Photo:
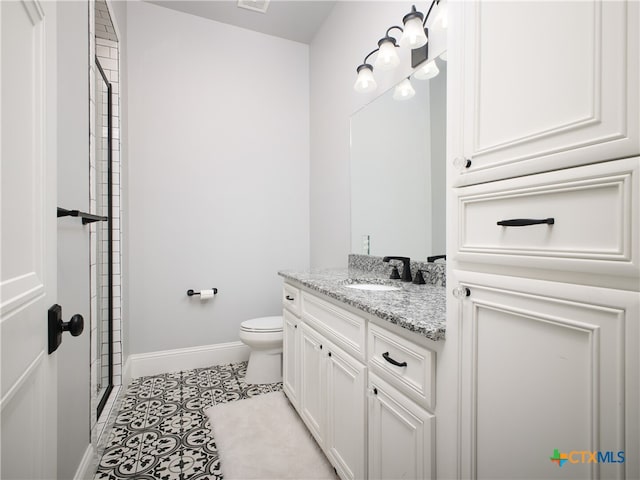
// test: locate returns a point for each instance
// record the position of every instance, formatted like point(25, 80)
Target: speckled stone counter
point(419, 308)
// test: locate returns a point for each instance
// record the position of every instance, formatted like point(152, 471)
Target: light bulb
point(427, 71)
point(413, 35)
point(365, 81)
point(404, 90)
point(387, 58)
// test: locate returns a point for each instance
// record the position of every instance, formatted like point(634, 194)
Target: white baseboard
point(88, 465)
point(154, 363)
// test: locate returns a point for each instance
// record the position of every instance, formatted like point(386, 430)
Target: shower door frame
point(105, 396)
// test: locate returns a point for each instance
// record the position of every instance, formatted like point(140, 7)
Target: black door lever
point(75, 326)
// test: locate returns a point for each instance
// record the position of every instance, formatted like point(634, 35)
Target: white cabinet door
point(28, 394)
point(544, 85)
point(291, 357)
point(346, 412)
point(312, 382)
point(547, 367)
point(401, 435)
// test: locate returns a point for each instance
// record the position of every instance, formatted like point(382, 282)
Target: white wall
point(218, 175)
point(350, 32)
point(73, 237)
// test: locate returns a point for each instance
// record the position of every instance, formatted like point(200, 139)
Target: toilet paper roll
point(206, 294)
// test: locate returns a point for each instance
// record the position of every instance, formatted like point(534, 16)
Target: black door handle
point(75, 326)
point(290, 298)
point(386, 356)
point(525, 222)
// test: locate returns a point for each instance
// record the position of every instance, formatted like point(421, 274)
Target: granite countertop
point(419, 308)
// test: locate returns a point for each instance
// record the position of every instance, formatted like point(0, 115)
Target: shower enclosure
point(103, 184)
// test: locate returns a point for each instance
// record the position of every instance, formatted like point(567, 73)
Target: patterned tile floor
point(161, 431)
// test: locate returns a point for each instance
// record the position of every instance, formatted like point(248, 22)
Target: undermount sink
point(373, 287)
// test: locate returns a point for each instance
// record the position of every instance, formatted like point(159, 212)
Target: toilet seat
point(262, 325)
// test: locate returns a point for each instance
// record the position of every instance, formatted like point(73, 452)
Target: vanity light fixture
point(404, 90)
point(415, 35)
point(365, 81)
point(442, 17)
point(427, 71)
point(387, 58)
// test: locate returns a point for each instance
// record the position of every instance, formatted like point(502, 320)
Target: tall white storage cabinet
point(543, 241)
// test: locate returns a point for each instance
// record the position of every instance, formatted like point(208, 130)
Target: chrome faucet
point(406, 267)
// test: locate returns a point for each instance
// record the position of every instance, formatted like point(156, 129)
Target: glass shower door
point(104, 232)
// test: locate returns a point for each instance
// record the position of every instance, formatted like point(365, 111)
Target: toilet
point(264, 337)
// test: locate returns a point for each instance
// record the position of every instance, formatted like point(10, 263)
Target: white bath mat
point(263, 438)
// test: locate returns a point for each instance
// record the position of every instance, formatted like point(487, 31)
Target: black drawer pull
point(289, 298)
point(386, 356)
point(525, 222)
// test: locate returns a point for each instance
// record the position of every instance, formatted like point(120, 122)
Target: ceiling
point(296, 20)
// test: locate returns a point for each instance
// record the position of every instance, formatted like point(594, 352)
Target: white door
point(544, 85)
point(346, 433)
point(28, 239)
point(401, 435)
point(547, 367)
point(291, 357)
point(312, 382)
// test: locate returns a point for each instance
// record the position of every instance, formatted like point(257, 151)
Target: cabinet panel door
point(543, 369)
point(312, 382)
point(291, 357)
point(547, 85)
point(400, 435)
point(346, 437)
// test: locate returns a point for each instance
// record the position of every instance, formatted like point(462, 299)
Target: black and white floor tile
point(161, 431)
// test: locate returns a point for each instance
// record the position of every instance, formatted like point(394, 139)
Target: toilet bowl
point(264, 337)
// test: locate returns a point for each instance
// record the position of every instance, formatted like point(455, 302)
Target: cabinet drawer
point(417, 378)
point(592, 209)
point(291, 298)
point(344, 328)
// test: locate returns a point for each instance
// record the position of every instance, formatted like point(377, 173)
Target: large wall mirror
point(398, 183)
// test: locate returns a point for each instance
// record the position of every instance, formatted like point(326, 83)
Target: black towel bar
point(86, 217)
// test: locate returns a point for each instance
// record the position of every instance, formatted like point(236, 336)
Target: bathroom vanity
point(359, 367)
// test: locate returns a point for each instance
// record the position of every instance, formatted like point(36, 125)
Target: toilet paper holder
point(191, 292)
